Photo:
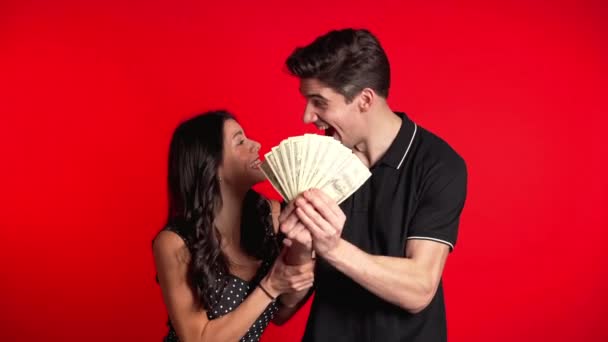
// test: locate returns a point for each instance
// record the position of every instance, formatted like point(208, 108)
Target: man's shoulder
point(433, 150)
point(434, 145)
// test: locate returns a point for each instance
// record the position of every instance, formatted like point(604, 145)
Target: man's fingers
point(332, 204)
point(324, 205)
point(314, 216)
point(317, 232)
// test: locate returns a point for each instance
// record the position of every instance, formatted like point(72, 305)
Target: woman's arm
point(296, 254)
point(189, 321)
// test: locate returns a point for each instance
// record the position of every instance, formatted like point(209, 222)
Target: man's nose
point(309, 115)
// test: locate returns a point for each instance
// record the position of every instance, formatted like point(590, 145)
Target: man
point(381, 253)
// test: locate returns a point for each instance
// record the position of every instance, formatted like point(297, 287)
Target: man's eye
point(241, 142)
point(319, 104)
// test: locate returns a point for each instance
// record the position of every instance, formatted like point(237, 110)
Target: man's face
point(328, 110)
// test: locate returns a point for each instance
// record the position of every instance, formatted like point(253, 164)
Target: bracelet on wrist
point(267, 293)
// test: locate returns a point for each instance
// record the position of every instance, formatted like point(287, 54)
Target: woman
point(219, 263)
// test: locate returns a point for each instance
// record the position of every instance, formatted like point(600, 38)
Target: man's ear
point(366, 99)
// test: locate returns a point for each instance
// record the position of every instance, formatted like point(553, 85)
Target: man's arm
point(409, 282)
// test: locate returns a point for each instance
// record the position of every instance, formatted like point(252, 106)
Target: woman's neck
point(228, 219)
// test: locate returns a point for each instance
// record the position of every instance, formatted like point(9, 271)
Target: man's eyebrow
point(315, 96)
point(237, 133)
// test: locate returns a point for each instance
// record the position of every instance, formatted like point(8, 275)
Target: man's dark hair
point(347, 61)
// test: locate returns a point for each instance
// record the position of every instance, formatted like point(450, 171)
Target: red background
point(90, 92)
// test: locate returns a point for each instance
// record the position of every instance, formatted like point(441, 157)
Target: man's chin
point(332, 133)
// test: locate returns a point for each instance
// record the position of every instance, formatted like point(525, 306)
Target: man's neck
point(382, 129)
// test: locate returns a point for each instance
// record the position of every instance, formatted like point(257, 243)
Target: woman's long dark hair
point(195, 154)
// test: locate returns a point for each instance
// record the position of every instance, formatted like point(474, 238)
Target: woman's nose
point(255, 146)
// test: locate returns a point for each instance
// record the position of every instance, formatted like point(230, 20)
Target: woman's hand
point(297, 237)
point(283, 278)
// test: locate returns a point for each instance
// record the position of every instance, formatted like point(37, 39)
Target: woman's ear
point(220, 173)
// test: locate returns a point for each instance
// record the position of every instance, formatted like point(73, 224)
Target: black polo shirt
point(417, 191)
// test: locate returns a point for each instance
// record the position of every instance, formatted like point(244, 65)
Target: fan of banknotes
point(314, 161)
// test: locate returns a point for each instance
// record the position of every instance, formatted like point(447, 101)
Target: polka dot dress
point(235, 292)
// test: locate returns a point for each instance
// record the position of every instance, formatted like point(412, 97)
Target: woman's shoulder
point(170, 238)
point(168, 244)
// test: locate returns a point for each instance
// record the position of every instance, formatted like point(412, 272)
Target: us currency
point(314, 152)
point(342, 161)
point(330, 163)
point(278, 171)
point(298, 152)
point(271, 176)
point(284, 158)
point(311, 148)
point(343, 184)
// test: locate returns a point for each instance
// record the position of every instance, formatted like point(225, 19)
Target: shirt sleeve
point(441, 203)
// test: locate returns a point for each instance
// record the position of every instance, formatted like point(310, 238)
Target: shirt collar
point(400, 147)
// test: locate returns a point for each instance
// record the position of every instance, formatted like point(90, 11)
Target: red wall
point(90, 92)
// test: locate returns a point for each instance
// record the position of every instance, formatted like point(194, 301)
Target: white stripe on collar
point(408, 147)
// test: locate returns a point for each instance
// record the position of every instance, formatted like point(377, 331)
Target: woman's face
point(241, 162)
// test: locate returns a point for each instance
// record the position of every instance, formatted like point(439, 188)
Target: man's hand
point(316, 213)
